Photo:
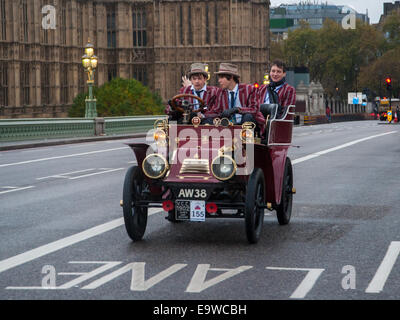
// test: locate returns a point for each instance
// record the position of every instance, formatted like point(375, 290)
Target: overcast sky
point(375, 7)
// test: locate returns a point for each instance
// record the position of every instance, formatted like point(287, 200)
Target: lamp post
point(89, 62)
point(206, 69)
point(356, 73)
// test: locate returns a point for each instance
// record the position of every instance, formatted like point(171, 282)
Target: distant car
point(197, 172)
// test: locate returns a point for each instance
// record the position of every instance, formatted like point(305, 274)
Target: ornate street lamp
point(89, 62)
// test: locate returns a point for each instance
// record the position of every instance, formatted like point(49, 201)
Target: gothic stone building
point(152, 41)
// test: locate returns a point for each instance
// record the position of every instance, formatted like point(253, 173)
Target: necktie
point(232, 104)
point(198, 93)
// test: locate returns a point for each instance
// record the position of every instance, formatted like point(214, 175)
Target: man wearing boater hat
point(198, 78)
point(236, 101)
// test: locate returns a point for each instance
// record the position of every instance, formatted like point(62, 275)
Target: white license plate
point(193, 210)
point(197, 210)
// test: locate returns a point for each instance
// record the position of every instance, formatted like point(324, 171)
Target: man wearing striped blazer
point(198, 87)
point(278, 91)
point(236, 101)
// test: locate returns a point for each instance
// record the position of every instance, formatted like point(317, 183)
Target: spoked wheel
point(254, 210)
point(284, 210)
point(135, 217)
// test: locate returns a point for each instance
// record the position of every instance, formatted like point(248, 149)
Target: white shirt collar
point(203, 89)
point(235, 89)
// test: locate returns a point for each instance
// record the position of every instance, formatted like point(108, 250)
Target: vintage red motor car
point(198, 172)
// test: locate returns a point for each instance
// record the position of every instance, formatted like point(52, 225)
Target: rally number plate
point(193, 210)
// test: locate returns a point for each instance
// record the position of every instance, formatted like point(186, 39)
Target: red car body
point(193, 160)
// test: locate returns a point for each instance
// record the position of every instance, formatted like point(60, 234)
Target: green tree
point(276, 47)
point(388, 65)
point(335, 56)
point(391, 26)
point(300, 46)
point(120, 97)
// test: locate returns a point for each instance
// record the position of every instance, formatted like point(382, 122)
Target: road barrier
point(30, 129)
point(320, 119)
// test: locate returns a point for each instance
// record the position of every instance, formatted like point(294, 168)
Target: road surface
point(62, 234)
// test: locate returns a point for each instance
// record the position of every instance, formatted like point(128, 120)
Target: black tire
point(284, 210)
point(255, 200)
point(135, 217)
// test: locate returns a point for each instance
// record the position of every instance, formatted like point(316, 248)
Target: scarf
point(273, 84)
point(273, 95)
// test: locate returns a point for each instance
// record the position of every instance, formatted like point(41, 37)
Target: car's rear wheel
point(254, 210)
point(135, 217)
point(284, 210)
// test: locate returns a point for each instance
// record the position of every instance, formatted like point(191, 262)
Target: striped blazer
point(286, 95)
point(209, 97)
point(248, 100)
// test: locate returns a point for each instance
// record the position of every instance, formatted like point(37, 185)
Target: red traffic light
point(388, 80)
point(256, 85)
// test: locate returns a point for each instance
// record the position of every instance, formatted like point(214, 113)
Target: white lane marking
point(62, 243)
point(83, 276)
point(320, 153)
point(198, 283)
point(95, 173)
point(308, 282)
point(61, 157)
point(66, 175)
point(377, 283)
point(138, 282)
point(17, 189)
point(61, 175)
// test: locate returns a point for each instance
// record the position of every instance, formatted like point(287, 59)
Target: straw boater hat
point(228, 68)
point(196, 68)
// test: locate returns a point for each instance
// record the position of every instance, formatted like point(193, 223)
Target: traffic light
point(388, 84)
point(256, 85)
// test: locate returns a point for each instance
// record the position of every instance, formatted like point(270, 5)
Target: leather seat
point(269, 109)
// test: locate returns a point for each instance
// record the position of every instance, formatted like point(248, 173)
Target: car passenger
point(277, 91)
point(236, 101)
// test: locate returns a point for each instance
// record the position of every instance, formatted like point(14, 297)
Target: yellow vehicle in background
point(383, 108)
point(385, 105)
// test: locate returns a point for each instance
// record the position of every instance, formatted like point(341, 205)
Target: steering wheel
point(186, 95)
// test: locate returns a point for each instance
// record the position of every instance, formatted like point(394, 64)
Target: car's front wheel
point(254, 210)
point(135, 217)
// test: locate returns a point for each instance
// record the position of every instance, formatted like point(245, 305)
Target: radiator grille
point(195, 166)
